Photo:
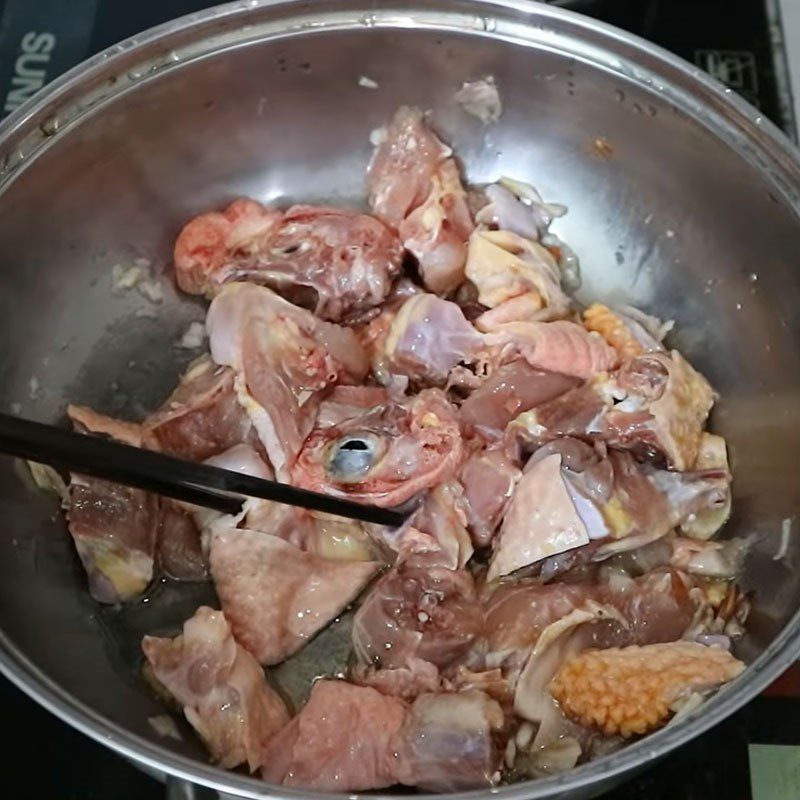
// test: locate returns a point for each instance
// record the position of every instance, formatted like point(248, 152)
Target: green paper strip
point(775, 771)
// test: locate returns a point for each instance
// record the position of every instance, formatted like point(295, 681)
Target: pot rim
point(69, 99)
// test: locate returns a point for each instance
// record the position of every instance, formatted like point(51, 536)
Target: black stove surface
point(740, 44)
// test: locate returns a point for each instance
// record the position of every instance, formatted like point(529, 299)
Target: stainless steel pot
point(682, 200)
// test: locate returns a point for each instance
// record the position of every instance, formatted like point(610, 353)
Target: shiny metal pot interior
point(682, 200)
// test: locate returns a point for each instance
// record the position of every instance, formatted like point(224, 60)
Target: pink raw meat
point(221, 688)
point(337, 263)
point(341, 741)
point(276, 596)
point(202, 417)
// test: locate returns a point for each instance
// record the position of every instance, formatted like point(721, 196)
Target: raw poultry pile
point(556, 590)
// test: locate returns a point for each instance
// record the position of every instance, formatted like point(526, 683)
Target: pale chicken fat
point(506, 267)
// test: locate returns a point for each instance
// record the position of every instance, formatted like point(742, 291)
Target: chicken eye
point(353, 456)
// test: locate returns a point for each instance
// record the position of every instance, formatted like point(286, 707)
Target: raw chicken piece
point(385, 456)
point(405, 683)
point(430, 613)
point(337, 263)
point(415, 187)
point(275, 596)
point(353, 738)
point(673, 401)
point(180, 551)
point(207, 242)
point(558, 346)
point(656, 607)
point(115, 530)
point(400, 174)
point(517, 207)
point(685, 494)
point(373, 340)
point(448, 744)
point(114, 527)
point(437, 231)
point(178, 538)
point(428, 337)
point(244, 459)
point(577, 412)
point(418, 549)
point(321, 534)
point(435, 534)
point(634, 690)
point(561, 638)
point(287, 522)
point(221, 688)
point(443, 516)
point(568, 495)
point(517, 279)
point(341, 741)
point(374, 332)
point(655, 406)
point(517, 613)
point(558, 745)
point(522, 308)
point(541, 520)
point(202, 417)
point(509, 391)
point(489, 479)
point(283, 357)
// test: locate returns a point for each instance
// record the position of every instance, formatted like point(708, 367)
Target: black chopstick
point(201, 484)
